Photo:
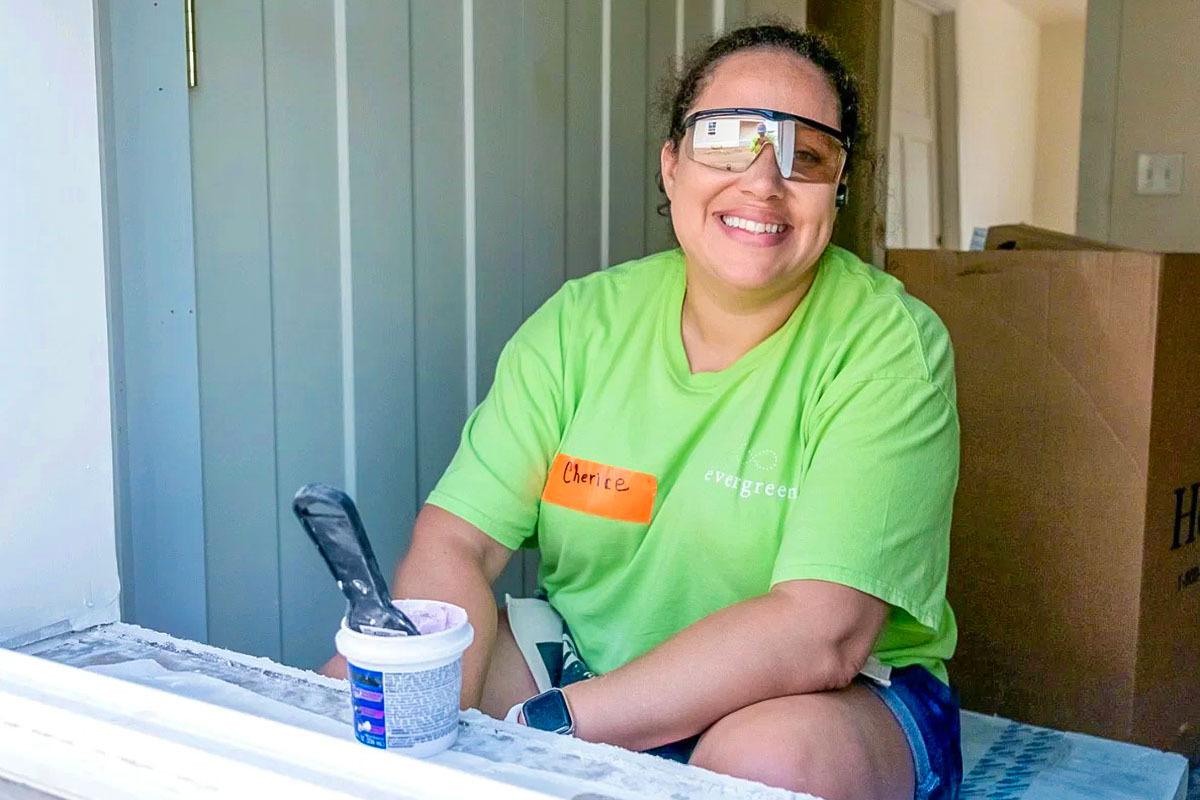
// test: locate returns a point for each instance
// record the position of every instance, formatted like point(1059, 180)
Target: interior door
point(914, 212)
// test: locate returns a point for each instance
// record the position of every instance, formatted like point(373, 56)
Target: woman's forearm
point(765, 647)
point(715, 666)
point(437, 568)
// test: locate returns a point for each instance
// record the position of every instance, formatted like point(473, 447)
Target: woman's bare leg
point(840, 745)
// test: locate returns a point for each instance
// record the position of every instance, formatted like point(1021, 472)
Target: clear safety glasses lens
point(733, 142)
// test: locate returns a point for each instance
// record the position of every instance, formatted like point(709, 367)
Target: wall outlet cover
point(1160, 173)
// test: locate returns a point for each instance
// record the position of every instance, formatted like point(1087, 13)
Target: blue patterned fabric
point(1007, 769)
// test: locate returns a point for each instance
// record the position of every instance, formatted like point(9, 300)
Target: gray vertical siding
point(302, 163)
point(545, 140)
point(660, 59)
point(504, 123)
point(630, 136)
point(583, 146)
point(235, 323)
point(360, 256)
point(436, 119)
point(697, 23)
point(159, 469)
point(378, 57)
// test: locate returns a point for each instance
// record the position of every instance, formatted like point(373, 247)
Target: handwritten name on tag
point(601, 489)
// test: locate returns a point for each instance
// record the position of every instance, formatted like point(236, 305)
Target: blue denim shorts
point(927, 711)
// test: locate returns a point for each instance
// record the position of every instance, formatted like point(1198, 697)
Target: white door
point(914, 214)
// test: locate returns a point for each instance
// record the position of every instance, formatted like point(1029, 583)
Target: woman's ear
point(668, 160)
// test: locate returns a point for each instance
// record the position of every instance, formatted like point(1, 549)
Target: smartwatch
point(549, 711)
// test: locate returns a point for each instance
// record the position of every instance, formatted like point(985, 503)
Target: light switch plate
point(1160, 173)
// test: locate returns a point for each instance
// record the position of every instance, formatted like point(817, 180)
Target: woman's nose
point(762, 177)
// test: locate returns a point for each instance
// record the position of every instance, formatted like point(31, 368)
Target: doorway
point(913, 198)
point(985, 118)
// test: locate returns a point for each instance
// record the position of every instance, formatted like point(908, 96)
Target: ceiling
point(1052, 10)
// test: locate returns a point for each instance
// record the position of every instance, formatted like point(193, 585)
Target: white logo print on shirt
point(756, 461)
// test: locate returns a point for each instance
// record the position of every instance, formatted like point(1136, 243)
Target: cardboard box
point(1075, 562)
point(1029, 237)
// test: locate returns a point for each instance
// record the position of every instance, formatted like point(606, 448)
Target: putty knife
point(332, 522)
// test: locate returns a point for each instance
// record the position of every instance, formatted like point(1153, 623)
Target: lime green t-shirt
point(656, 496)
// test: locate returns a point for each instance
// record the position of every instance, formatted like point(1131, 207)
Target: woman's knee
point(823, 744)
point(772, 742)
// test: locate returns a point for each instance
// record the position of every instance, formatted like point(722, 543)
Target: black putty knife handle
point(329, 517)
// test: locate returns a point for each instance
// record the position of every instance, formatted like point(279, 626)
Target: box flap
point(1029, 237)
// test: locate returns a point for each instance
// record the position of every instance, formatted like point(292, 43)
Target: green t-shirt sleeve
point(874, 507)
point(496, 477)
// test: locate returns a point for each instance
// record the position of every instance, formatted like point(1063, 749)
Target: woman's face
point(703, 198)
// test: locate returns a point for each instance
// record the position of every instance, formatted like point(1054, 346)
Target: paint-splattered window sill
point(120, 711)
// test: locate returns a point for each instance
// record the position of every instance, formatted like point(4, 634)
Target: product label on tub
point(404, 709)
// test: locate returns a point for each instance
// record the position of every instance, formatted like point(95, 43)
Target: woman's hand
point(335, 667)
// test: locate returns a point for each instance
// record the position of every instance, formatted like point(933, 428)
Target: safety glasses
point(730, 139)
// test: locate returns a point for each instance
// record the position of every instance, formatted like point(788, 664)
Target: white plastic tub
point(404, 690)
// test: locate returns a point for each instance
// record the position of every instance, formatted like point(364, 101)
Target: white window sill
point(267, 729)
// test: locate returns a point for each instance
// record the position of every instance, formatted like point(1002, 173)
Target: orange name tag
point(599, 489)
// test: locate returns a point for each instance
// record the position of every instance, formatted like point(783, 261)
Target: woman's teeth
point(751, 225)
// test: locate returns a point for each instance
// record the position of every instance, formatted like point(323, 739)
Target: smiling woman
point(821, 568)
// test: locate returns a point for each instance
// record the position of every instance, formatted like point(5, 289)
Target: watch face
point(548, 712)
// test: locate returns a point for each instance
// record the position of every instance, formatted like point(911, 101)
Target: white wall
point(998, 53)
point(1153, 58)
point(1059, 105)
point(57, 540)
